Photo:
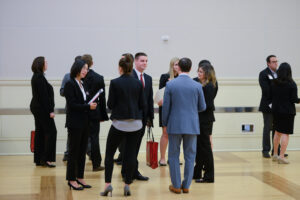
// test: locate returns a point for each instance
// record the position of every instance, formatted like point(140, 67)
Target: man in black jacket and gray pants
point(265, 78)
point(94, 83)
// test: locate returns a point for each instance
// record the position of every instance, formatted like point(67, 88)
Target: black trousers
point(93, 149)
point(78, 138)
point(45, 138)
point(204, 157)
point(268, 127)
point(114, 138)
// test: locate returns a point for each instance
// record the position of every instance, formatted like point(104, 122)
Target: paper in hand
point(159, 95)
point(96, 96)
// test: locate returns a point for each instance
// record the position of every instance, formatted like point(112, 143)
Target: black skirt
point(283, 123)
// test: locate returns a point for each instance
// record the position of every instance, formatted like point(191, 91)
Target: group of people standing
point(279, 96)
point(186, 113)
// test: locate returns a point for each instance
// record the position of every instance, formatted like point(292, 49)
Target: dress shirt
point(81, 88)
point(139, 76)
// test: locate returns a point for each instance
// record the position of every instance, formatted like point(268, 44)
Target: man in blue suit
point(183, 99)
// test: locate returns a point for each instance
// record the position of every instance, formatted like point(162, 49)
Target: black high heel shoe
point(84, 186)
point(108, 190)
point(73, 187)
point(127, 191)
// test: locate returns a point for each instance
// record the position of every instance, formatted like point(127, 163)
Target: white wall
point(236, 35)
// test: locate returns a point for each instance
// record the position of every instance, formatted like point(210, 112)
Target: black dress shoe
point(266, 155)
point(140, 177)
point(100, 168)
point(202, 180)
point(119, 163)
point(84, 186)
point(65, 158)
point(286, 155)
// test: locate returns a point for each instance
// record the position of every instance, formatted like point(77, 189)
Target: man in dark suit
point(140, 61)
point(265, 78)
point(94, 82)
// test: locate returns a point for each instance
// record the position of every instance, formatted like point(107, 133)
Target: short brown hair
point(88, 59)
point(38, 65)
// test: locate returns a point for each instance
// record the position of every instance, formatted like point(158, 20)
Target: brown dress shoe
point(184, 190)
point(174, 190)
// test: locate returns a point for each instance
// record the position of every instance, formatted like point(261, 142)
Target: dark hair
point(38, 65)
point(126, 64)
point(269, 58)
point(76, 68)
point(88, 59)
point(131, 56)
point(185, 64)
point(137, 55)
point(77, 58)
point(203, 61)
point(284, 73)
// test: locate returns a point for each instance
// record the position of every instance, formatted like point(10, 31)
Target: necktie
point(142, 81)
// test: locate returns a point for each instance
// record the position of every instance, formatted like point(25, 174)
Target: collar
point(184, 74)
point(138, 73)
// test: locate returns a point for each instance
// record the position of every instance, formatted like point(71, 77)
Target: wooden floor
point(239, 175)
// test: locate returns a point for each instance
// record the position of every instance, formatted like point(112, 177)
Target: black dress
point(284, 95)
point(164, 78)
point(42, 104)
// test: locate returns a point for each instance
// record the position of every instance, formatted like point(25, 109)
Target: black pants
point(93, 149)
point(77, 148)
point(204, 156)
point(130, 140)
point(45, 138)
point(268, 127)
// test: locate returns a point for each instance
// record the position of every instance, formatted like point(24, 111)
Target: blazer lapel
point(78, 90)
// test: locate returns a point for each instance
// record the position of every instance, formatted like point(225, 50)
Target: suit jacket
point(183, 99)
point(283, 97)
point(265, 85)
point(210, 93)
point(94, 82)
point(126, 98)
point(77, 108)
point(164, 78)
point(42, 95)
point(148, 93)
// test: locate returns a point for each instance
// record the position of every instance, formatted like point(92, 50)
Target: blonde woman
point(204, 157)
point(164, 78)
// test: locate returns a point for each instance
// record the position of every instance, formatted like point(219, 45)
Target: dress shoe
point(65, 158)
point(275, 158)
point(119, 163)
point(73, 187)
point(286, 155)
point(48, 164)
point(162, 164)
point(184, 190)
point(96, 169)
point(202, 180)
point(140, 177)
point(266, 155)
point(84, 186)
point(282, 161)
point(127, 191)
point(108, 190)
point(174, 190)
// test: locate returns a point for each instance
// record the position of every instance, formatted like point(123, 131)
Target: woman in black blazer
point(77, 124)
point(42, 108)
point(126, 101)
point(284, 95)
point(164, 78)
point(204, 156)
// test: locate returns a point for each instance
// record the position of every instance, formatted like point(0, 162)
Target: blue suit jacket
point(183, 99)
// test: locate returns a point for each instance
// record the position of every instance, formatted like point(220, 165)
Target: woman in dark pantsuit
point(204, 156)
point(164, 78)
point(126, 101)
point(284, 94)
point(77, 124)
point(42, 108)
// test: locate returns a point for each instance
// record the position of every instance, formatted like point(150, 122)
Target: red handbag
point(32, 135)
point(151, 150)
